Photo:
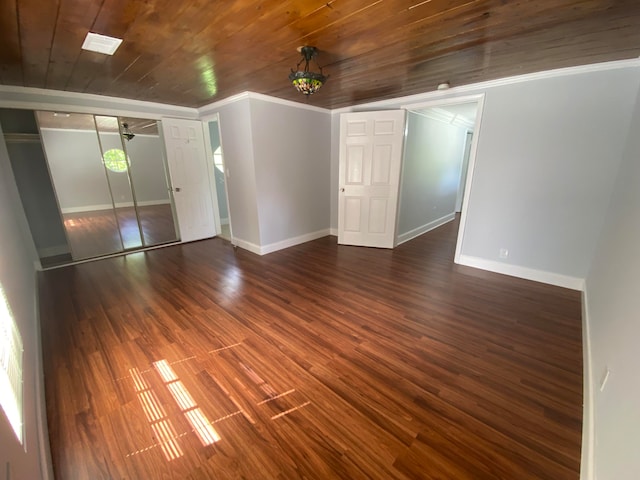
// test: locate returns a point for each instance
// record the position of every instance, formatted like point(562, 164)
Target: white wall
point(277, 157)
point(613, 316)
point(237, 142)
point(292, 168)
point(17, 276)
point(433, 154)
point(79, 175)
point(548, 151)
point(335, 172)
point(148, 169)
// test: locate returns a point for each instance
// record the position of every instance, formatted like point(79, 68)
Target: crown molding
point(206, 112)
point(209, 111)
point(480, 86)
point(288, 103)
point(43, 99)
point(93, 132)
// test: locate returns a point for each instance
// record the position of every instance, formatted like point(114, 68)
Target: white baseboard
point(274, 247)
point(108, 206)
point(42, 440)
point(574, 283)
point(148, 203)
point(587, 465)
point(53, 251)
point(87, 208)
point(290, 242)
point(333, 231)
point(416, 232)
point(252, 247)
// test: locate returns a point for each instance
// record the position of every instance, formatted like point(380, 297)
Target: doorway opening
point(433, 155)
point(220, 174)
point(438, 163)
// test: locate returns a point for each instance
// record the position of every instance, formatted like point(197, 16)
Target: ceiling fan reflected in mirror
point(126, 133)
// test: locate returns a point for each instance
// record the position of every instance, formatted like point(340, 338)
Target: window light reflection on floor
point(194, 415)
point(156, 416)
point(166, 434)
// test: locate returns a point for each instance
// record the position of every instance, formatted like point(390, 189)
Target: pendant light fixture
point(306, 81)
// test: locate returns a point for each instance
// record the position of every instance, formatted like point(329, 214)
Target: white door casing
point(187, 162)
point(369, 177)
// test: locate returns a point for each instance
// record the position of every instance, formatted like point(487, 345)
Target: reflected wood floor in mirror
point(320, 361)
point(95, 233)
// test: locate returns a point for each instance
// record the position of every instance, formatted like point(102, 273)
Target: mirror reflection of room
point(150, 181)
point(110, 182)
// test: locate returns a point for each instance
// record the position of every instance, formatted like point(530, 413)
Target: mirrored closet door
point(110, 179)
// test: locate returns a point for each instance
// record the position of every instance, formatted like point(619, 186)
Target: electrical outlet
point(604, 377)
point(504, 253)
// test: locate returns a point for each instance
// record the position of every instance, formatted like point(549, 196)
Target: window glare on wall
point(10, 367)
point(217, 158)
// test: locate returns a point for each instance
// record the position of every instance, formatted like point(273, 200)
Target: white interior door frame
point(215, 117)
point(465, 169)
point(479, 98)
point(210, 169)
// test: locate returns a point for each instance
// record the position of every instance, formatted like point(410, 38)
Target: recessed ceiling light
point(95, 42)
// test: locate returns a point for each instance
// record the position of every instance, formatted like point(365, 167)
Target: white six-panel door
point(369, 176)
point(192, 194)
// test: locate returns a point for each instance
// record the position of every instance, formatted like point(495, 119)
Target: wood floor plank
point(318, 361)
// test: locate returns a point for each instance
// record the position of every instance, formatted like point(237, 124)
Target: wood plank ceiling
point(195, 52)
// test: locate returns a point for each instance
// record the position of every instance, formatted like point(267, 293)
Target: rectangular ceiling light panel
point(95, 42)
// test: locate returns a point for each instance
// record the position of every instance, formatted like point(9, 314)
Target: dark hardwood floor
point(95, 233)
point(320, 361)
